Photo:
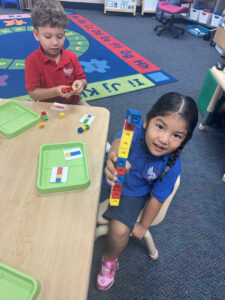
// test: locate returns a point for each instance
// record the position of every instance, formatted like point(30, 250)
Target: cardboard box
point(219, 37)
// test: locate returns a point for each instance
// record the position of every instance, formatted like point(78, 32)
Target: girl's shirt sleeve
point(162, 189)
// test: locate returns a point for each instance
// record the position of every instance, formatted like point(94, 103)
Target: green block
point(45, 117)
point(208, 89)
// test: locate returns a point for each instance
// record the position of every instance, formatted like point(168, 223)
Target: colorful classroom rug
point(110, 66)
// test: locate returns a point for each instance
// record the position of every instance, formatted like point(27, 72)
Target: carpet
point(110, 66)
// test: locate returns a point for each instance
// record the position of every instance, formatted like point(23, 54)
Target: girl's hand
point(138, 231)
point(110, 169)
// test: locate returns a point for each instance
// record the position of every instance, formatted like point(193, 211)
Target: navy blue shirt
point(143, 177)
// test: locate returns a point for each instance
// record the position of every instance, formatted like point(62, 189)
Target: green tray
point(15, 285)
point(52, 155)
point(15, 118)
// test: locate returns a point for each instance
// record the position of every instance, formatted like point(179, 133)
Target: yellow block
point(114, 202)
point(68, 154)
point(42, 124)
point(127, 134)
point(58, 175)
point(123, 152)
point(124, 143)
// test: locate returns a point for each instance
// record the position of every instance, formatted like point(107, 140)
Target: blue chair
point(6, 2)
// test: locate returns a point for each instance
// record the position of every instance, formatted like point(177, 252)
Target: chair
point(103, 227)
point(173, 10)
point(6, 2)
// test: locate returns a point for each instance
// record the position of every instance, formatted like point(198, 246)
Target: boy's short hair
point(48, 12)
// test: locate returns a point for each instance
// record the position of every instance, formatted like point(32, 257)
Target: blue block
point(121, 162)
point(58, 180)
point(133, 116)
point(120, 179)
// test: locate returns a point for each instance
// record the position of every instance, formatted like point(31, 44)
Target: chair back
point(163, 210)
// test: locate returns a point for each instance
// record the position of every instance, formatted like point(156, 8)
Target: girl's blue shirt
point(143, 177)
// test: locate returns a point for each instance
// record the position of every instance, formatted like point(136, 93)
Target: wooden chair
point(102, 223)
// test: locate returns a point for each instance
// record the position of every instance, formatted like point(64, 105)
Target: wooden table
point(51, 236)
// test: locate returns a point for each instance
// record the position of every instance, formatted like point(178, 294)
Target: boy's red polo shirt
point(43, 72)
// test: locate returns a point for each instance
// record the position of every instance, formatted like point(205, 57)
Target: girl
point(153, 166)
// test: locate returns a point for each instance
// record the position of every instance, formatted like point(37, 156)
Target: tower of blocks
point(133, 117)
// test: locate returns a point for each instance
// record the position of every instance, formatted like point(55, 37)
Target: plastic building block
point(68, 89)
point(133, 117)
point(43, 113)
point(42, 125)
point(128, 126)
point(83, 128)
point(45, 117)
point(62, 115)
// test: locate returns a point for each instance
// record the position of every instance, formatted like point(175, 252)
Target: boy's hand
point(79, 84)
point(110, 169)
point(61, 93)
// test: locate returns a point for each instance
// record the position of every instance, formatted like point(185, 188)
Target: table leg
point(211, 107)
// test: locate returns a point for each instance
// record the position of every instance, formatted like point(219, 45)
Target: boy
point(51, 68)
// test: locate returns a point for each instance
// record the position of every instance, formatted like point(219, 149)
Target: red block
point(67, 89)
point(115, 194)
point(120, 170)
point(128, 126)
point(117, 187)
point(43, 113)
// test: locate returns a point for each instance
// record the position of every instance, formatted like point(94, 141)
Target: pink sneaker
point(106, 274)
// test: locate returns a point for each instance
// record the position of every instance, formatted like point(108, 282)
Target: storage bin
point(197, 30)
point(216, 18)
point(194, 14)
point(205, 16)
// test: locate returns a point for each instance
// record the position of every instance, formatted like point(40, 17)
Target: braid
point(171, 161)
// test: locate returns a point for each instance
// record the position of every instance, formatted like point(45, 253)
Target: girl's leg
point(118, 237)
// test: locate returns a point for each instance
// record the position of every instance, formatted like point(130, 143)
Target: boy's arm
point(44, 94)
point(149, 215)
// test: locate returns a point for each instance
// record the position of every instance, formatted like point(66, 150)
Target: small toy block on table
point(42, 125)
point(62, 115)
point(133, 117)
point(44, 115)
point(83, 128)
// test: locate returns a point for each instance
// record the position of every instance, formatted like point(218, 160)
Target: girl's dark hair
point(48, 12)
point(183, 106)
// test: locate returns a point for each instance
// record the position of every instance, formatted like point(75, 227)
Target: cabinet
point(149, 6)
point(127, 6)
